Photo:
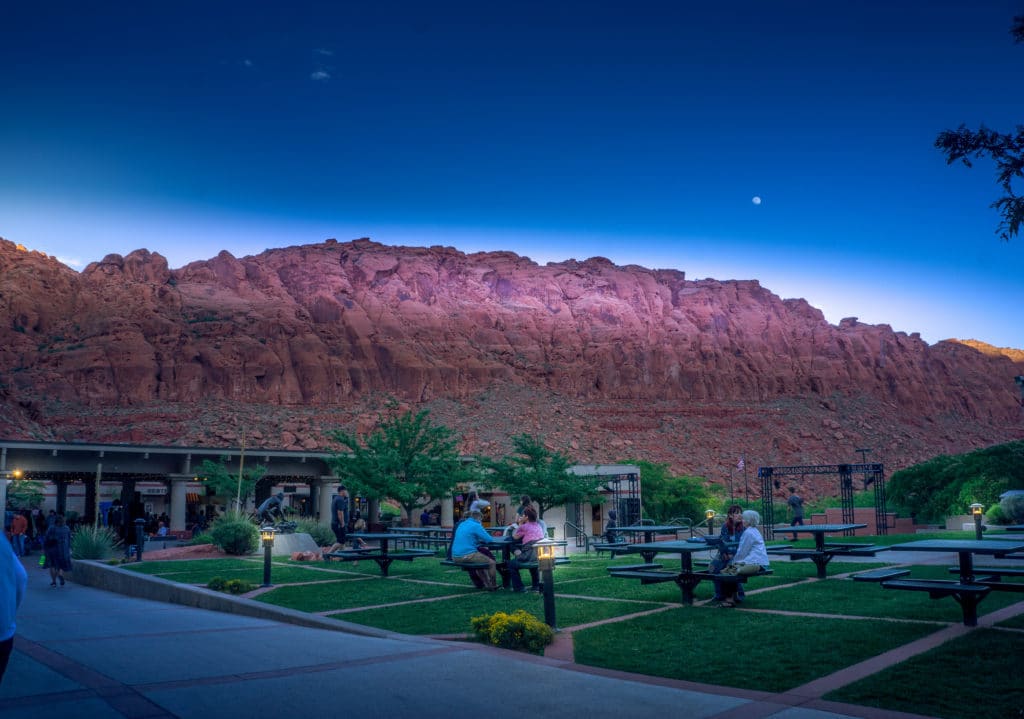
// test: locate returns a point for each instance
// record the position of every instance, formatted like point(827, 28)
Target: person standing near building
point(340, 515)
point(19, 527)
point(13, 581)
point(57, 548)
point(796, 505)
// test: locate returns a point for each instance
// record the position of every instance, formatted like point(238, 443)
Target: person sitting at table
point(729, 535)
point(469, 535)
point(528, 532)
point(751, 556)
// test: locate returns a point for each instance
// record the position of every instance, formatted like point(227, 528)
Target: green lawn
point(981, 680)
point(736, 648)
point(757, 646)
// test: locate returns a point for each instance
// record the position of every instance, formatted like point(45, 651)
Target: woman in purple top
point(529, 532)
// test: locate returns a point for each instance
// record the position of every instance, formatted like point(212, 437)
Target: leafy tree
point(406, 458)
point(535, 470)
point(225, 482)
point(666, 496)
point(1005, 149)
point(25, 494)
point(946, 485)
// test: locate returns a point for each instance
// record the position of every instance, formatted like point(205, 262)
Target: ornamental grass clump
point(235, 533)
point(519, 630)
point(92, 542)
point(320, 533)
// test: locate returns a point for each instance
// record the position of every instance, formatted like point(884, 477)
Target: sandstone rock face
point(607, 362)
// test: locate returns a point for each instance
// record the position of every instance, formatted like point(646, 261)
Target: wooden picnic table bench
point(822, 556)
point(687, 581)
point(613, 548)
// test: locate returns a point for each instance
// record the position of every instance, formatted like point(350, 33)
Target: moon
point(756, 200)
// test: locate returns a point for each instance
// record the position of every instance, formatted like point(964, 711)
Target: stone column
point(326, 488)
point(447, 511)
point(179, 500)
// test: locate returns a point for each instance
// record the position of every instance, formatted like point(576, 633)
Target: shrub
point(201, 538)
point(519, 630)
point(92, 542)
point(232, 586)
point(321, 534)
point(235, 534)
point(1013, 508)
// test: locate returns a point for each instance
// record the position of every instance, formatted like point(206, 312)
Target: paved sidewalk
point(85, 652)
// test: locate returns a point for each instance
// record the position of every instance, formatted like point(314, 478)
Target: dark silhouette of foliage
point(1005, 149)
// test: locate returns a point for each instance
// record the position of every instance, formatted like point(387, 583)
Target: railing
point(687, 526)
point(581, 537)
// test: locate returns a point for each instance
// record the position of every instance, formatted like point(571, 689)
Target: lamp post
point(709, 517)
point(546, 564)
point(140, 537)
point(267, 537)
point(977, 511)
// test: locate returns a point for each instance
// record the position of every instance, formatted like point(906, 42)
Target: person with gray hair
point(751, 556)
point(469, 535)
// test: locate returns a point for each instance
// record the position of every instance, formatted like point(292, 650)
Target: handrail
point(582, 539)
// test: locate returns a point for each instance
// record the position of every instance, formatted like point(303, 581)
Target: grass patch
point(202, 571)
point(453, 616)
point(868, 599)
point(655, 645)
point(356, 592)
point(982, 681)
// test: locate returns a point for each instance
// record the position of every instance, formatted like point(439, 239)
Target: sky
point(788, 142)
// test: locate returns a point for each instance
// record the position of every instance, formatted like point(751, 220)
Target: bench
point(994, 574)
point(729, 578)
point(879, 575)
point(612, 548)
point(967, 595)
point(650, 576)
point(632, 567)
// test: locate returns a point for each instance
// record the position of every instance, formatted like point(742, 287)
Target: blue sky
point(640, 132)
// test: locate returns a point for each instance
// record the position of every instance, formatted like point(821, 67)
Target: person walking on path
point(13, 582)
point(57, 549)
point(796, 505)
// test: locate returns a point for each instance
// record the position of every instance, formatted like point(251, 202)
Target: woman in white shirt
point(751, 556)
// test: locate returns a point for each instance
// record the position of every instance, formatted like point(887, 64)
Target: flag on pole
point(739, 465)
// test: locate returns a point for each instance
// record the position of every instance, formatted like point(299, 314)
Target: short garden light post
point(546, 564)
point(267, 537)
point(977, 511)
point(709, 516)
point(140, 537)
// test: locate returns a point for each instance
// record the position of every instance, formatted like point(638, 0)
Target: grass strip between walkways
point(976, 676)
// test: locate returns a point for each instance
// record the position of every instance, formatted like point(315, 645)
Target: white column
point(327, 487)
point(179, 500)
point(447, 511)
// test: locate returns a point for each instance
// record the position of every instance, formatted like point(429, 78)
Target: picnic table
point(380, 554)
point(649, 530)
point(433, 537)
point(823, 551)
point(971, 587)
point(686, 579)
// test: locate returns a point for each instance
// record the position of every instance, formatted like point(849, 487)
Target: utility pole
point(241, 464)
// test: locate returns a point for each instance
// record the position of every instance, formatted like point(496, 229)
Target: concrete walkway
point(86, 652)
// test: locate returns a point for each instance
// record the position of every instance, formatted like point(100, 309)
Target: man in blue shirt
point(469, 535)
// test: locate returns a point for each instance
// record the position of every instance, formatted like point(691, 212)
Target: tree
point(666, 496)
point(25, 493)
point(535, 470)
point(946, 485)
point(227, 483)
point(406, 458)
point(1006, 150)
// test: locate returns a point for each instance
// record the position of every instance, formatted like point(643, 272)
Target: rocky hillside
point(606, 362)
